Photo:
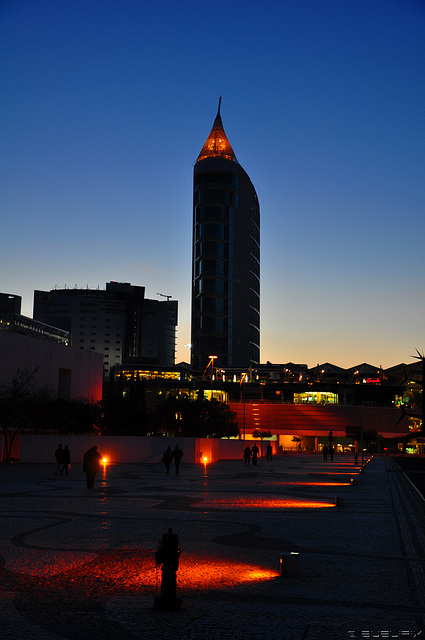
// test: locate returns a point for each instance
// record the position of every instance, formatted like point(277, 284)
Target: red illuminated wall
point(316, 420)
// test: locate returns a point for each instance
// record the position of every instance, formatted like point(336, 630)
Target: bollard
point(167, 555)
point(290, 565)
point(339, 502)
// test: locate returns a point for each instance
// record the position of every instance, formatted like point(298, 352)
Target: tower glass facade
point(225, 259)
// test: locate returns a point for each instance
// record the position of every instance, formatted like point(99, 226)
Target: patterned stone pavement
point(79, 564)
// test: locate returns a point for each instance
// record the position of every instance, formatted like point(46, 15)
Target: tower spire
point(217, 144)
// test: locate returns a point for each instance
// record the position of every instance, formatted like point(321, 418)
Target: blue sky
point(106, 106)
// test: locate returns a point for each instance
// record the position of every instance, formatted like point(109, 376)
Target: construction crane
point(164, 296)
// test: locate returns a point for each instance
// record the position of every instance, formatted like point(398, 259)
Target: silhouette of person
point(167, 458)
point(91, 465)
point(66, 460)
point(177, 455)
point(331, 451)
point(59, 459)
point(255, 451)
point(247, 455)
point(269, 451)
point(325, 452)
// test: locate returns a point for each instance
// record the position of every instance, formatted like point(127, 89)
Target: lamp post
point(210, 363)
point(243, 381)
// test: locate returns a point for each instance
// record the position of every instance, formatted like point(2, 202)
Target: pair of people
point(63, 458)
point(251, 453)
point(170, 454)
point(91, 464)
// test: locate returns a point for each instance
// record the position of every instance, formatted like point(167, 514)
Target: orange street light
point(210, 363)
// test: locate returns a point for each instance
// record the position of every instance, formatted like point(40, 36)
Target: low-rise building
point(44, 354)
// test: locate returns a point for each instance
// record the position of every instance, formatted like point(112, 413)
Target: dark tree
point(124, 411)
point(200, 418)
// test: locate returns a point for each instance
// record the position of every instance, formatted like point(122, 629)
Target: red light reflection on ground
point(263, 503)
point(135, 571)
point(336, 473)
point(318, 484)
point(200, 572)
point(197, 572)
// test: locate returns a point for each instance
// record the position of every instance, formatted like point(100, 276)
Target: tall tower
point(225, 258)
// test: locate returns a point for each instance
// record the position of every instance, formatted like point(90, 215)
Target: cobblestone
point(80, 565)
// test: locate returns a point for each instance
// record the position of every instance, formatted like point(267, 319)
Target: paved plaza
point(79, 564)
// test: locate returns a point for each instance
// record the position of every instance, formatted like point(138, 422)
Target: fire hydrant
point(167, 555)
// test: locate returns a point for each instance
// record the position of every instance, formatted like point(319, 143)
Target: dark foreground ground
point(79, 565)
point(414, 468)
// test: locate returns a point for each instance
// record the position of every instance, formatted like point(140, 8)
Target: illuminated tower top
point(217, 144)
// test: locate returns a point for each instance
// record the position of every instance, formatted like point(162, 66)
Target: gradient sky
point(105, 108)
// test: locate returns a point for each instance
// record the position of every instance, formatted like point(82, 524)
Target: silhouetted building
point(119, 322)
point(9, 303)
point(12, 320)
point(225, 259)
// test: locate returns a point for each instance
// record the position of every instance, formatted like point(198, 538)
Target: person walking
point(255, 451)
point(269, 451)
point(59, 459)
point(91, 465)
point(325, 452)
point(167, 458)
point(66, 460)
point(177, 455)
point(247, 455)
point(331, 452)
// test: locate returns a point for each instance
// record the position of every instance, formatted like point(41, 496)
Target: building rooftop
point(217, 144)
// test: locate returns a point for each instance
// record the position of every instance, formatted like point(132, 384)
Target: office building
point(225, 259)
point(118, 322)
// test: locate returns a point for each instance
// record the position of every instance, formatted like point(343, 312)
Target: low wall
point(127, 449)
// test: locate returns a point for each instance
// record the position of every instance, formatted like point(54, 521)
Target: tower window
point(212, 231)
